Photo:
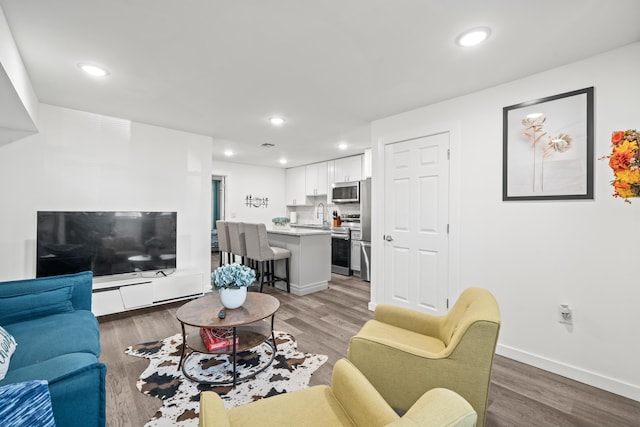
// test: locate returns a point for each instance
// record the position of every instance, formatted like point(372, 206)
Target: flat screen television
point(107, 243)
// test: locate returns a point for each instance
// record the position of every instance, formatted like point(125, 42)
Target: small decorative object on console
point(232, 276)
point(231, 281)
point(217, 338)
point(624, 160)
point(280, 221)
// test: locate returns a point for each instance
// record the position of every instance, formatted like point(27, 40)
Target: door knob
point(388, 238)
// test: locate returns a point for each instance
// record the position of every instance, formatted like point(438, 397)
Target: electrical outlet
point(565, 314)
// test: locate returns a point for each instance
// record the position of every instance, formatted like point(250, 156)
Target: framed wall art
point(548, 148)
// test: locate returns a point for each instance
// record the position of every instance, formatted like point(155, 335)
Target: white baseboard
point(612, 385)
point(307, 289)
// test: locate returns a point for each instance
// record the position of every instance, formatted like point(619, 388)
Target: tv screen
point(107, 243)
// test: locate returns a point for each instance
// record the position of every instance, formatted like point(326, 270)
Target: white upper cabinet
point(295, 186)
point(348, 169)
point(366, 164)
point(316, 179)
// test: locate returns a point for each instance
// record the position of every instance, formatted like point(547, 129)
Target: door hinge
point(447, 303)
point(448, 154)
point(447, 228)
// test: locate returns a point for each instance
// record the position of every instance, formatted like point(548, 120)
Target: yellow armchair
point(404, 353)
point(350, 401)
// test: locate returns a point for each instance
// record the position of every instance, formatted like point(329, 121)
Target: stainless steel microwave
point(346, 192)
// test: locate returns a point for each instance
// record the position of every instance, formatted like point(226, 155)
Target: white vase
point(233, 298)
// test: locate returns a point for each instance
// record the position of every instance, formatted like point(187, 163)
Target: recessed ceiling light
point(276, 121)
point(343, 146)
point(228, 153)
point(283, 161)
point(473, 37)
point(93, 70)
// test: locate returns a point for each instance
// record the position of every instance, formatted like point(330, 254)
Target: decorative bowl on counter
point(280, 221)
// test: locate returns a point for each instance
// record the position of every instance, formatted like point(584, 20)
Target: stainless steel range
point(341, 250)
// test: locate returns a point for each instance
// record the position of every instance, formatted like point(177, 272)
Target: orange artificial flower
point(623, 190)
point(617, 136)
point(620, 160)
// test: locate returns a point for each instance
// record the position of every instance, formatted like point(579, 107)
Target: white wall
point(534, 256)
point(257, 181)
point(18, 101)
point(84, 161)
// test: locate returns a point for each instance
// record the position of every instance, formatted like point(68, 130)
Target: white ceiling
point(221, 68)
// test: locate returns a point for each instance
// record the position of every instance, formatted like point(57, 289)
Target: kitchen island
point(310, 263)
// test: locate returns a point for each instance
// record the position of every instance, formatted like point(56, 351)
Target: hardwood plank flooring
point(323, 322)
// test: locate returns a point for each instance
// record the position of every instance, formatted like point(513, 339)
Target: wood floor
point(323, 322)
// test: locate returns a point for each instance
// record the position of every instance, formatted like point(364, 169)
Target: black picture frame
point(548, 148)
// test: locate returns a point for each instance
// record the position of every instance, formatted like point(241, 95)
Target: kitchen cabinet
point(316, 179)
point(366, 164)
point(310, 262)
point(295, 191)
point(348, 169)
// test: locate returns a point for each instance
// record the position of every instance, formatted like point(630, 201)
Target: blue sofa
point(58, 341)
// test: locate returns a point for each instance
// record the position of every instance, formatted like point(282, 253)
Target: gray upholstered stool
point(237, 239)
point(224, 246)
point(259, 250)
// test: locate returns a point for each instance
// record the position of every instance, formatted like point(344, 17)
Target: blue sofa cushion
point(82, 286)
point(77, 387)
point(26, 404)
point(52, 370)
point(7, 348)
point(52, 336)
point(18, 308)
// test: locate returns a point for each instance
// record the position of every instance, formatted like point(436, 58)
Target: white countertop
point(296, 231)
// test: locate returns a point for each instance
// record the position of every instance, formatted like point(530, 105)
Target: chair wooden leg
point(272, 265)
point(287, 275)
point(262, 273)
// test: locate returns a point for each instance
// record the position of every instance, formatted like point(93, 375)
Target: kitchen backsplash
point(311, 214)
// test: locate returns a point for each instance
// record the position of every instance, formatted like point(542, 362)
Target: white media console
point(128, 294)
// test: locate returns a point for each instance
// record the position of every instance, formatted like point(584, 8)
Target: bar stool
point(224, 247)
point(237, 240)
point(259, 250)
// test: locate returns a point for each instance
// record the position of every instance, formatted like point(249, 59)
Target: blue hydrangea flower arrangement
point(232, 276)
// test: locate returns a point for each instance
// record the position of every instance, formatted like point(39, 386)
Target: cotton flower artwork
point(548, 146)
point(533, 124)
point(557, 144)
point(624, 160)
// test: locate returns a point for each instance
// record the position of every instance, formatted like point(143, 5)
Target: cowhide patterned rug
point(290, 370)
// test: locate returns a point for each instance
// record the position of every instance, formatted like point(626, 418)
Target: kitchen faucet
point(318, 212)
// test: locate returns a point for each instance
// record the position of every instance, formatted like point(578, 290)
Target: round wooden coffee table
point(203, 313)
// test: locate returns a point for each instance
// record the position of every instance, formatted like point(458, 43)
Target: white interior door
point(416, 243)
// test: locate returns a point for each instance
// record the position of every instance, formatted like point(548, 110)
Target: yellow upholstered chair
point(350, 401)
point(404, 353)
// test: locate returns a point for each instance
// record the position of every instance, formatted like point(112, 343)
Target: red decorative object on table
point(217, 338)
